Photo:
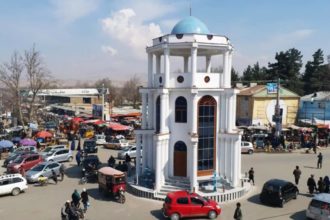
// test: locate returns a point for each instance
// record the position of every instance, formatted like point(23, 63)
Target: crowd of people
point(71, 210)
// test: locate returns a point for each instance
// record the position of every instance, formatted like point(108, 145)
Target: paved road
point(45, 202)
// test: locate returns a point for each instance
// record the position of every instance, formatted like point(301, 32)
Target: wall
point(316, 109)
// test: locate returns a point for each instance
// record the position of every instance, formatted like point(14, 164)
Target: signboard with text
point(271, 88)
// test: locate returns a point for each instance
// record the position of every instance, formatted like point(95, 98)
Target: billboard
point(97, 111)
point(271, 88)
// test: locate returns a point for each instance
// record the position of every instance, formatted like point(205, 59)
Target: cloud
point(123, 27)
point(70, 10)
point(109, 50)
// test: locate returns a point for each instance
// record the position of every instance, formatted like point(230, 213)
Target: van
point(319, 207)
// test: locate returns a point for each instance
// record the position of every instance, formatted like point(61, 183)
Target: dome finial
point(190, 9)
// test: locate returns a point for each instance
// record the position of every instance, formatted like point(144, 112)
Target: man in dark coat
point(251, 175)
point(319, 160)
point(297, 173)
point(75, 198)
point(311, 184)
point(238, 212)
point(320, 185)
point(78, 158)
point(84, 199)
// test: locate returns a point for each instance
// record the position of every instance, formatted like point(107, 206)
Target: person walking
point(65, 211)
point(238, 212)
point(311, 184)
point(297, 173)
point(319, 161)
point(320, 185)
point(78, 158)
point(62, 168)
point(54, 176)
point(76, 198)
point(251, 175)
point(326, 182)
point(84, 199)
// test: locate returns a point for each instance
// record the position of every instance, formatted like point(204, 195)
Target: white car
point(12, 184)
point(51, 148)
point(130, 150)
point(100, 139)
point(319, 207)
point(247, 147)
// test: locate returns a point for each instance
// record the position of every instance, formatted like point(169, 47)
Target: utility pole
point(278, 115)
point(103, 118)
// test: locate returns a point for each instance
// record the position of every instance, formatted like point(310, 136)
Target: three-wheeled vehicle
point(113, 182)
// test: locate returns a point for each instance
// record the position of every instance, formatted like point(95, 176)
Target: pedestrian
point(326, 184)
point(251, 175)
point(314, 146)
point(319, 161)
point(76, 198)
point(238, 212)
point(65, 211)
point(311, 184)
point(111, 161)
point(62, 168)
point(320, 185)
point(84, 199)
point(297, 173)
point(78, 158)
point(54, 176)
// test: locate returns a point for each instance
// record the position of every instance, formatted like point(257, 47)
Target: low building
point(256, 106)
point(315, 108)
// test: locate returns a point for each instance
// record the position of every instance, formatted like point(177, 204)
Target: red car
point(24, 162)
point(182, 204)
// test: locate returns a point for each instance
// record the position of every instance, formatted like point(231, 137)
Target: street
point(45, 202)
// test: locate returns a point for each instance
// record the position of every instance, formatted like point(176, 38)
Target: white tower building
point(188, 119)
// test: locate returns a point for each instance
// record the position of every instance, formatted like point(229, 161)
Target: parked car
point(52, 148)
point(42, 169)
point(182, 204)
point(100, 139)
point(130, 150)
point(116, 144)
point(90, 146)
point(31, 149)
point(50, 125)
point(13, 156)
point(24, 162)
point(59, 155)
point(12, 184)
point(319, 207)
point(247, 147)
point(277, 192)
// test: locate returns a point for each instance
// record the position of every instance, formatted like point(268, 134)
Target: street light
point(102, 91)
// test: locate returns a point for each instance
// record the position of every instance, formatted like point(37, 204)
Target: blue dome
point(190, 25)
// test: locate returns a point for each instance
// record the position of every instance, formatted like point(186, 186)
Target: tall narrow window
point(206, 135)
point(158, 114)
point(181, 110)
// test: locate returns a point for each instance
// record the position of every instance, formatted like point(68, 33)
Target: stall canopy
point(6, 144)
point(77, 120)
point(28, 142)
point(44, 134)
point(90, 121)
point(118, 127)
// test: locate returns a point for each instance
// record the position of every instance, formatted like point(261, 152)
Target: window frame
point(180, 110)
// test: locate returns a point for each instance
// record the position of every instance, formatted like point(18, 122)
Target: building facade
point(188, 119)
point(256, 106)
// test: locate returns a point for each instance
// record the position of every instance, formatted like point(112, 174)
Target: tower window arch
point(206, 135)
point(158, 114)
point(181, 110)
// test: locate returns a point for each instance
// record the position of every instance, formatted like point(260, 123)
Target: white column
point(158, 166)
point(158, 63)
point(185, 64)
point(149, 151)
point(145, 158)
point(194, 115)
point(193, 65)
point(226, 70)
point(208, 63)
point(150, 70)
point(150, 110)
point(235, 164)
point(193, 177)
point(230, 59)
point(166, 66)
point(144, 110)
point(138, 155)
point(163, 112)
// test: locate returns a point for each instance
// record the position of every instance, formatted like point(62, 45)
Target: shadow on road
point(255, 199)
point(305, 194)
point(94, 193)
point(73, 171)
point(298, 215)
point(157, 214)
point(310, 167)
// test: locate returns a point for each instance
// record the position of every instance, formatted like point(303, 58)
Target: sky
point(87, 40)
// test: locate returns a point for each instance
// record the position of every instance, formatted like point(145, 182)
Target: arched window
point(180, 146)
point(181, 110)
point(158, 114)
point(206, 135)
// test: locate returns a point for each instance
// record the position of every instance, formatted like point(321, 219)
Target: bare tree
point(38, 77)
point(113, 90)
point(130, 90)
point(10, 76)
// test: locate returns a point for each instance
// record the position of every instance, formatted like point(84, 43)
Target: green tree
point(287, 67)
point(113, 90)
point(254, 73)
point(234, 76)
